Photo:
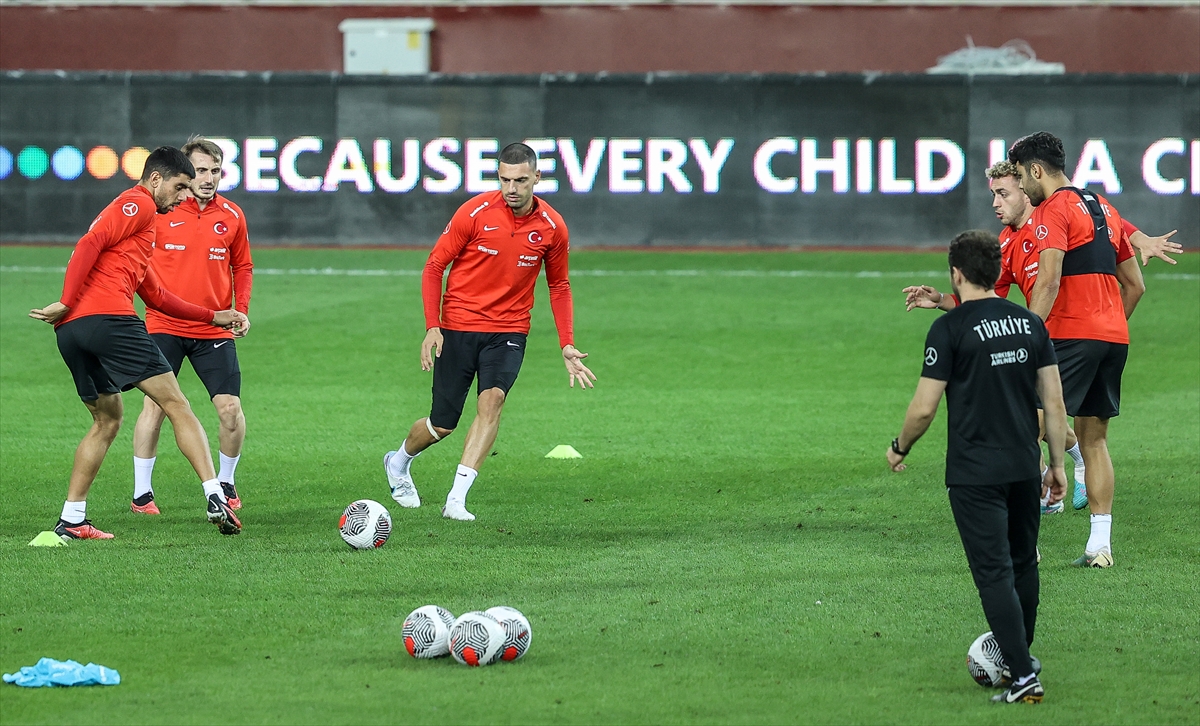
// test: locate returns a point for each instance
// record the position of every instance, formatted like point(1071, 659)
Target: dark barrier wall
point(632, 161)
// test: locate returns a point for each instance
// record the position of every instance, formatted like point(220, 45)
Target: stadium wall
point(593, 38)
point(643, 161)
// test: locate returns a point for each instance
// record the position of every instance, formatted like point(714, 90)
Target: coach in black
point(993, 359)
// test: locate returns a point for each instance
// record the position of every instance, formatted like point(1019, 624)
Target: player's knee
point(229, 410)
point(107, 423)
point(491, 402)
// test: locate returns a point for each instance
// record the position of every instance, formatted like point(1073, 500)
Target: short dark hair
point(168, 162)
point(976, 254)
point(517, 154)
point(1042, 147)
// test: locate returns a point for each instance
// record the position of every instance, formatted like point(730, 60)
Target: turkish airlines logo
point(535, 238)
point(169, 246)
point(1041, 232)
point(481, 248)
point(1022, 355)
point(129, 209)
point(220, 228)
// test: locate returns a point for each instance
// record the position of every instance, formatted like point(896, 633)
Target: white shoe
point(403, 489)
point(456, 510)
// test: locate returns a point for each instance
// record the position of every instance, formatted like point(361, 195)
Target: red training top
point(494, 260)
point(1018, 259)
point(204, 257)
point(1088, 306)
point(111, 262)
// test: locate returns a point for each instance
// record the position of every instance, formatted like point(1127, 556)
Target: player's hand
point(430, 347)
point(232, 320)
point(1055, 482)
point(921, 296)
point(895, 461)
point(576, 370)
point(1149, 247)
point(52, 313)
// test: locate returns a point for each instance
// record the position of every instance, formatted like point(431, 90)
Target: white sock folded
point(463, 479)
point(228, 466)
point(1101, 538)
point(74, 512)
point(1045, 499)
point(211, 487)
point(143, 472)
point(1075, 454)
point(401, 460)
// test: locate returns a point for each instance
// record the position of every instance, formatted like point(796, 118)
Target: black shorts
point(1091, 376)
point(108, 354)
point(495, 357)
point(214, 360)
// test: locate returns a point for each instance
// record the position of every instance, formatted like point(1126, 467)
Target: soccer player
point(993, 360)
point(203, 254)
point(1085, 291)
point(105, 344)
point(495, 246)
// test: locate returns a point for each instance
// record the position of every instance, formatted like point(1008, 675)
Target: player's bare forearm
point(1133, 285)
point(1045, 290)
point(919, 416)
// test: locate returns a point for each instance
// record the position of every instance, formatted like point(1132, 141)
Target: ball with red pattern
point(426, 632)
point(517, 633)
point(365, 525)
point(476, 639)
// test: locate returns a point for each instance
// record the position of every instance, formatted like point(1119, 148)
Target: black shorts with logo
point(1091, 376)
point(108, 354)
point(495, 357)
point(214, 360)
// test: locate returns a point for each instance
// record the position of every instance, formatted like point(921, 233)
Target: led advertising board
point(629, 161)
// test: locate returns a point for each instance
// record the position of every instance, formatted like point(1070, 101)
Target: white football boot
point(457, 510)
point(403, 489)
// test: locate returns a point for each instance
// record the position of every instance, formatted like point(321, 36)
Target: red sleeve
point(1124, 249)
point(1128, 227)
point(1051, 227)
point(561, 304)
point(452, 242)
point(243, 269)
point(167, 302)
point(83, 259)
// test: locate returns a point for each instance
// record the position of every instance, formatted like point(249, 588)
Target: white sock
point(1101, 537)
point(74, 512)
point(463, 479)
point(143, 470)
point(1025, 681)
point(1045, 499)
point(213, 486)
point(401, 460)
point(228, 466)
point(1075, 454)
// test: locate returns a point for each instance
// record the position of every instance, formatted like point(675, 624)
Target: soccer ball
point(517, 633)
point(476, 639)
point(985, 662)
point(426, 632)
point(365, 525)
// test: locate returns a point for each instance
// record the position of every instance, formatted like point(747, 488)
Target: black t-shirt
point(989, 352)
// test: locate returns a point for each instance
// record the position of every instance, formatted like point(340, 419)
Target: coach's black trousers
point(998, 524)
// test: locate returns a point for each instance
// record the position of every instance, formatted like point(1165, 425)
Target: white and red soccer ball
point(517, 633)
point(426, 632)
point(365, 525)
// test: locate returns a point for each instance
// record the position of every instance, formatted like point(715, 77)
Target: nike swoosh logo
point(489, 229)
point(218, 345)
point(512, 344)
point(176, 224)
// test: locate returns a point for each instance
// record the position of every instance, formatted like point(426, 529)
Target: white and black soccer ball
point(476, 639)
point(985, 662)
point(517, 633)
point(365, 525)
point(426, 632)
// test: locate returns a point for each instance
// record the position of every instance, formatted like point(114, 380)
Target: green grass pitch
point(731, 548)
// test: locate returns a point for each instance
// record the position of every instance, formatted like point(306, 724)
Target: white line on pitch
point(846, 274)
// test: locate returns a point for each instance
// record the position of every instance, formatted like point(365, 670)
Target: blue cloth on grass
point(50, 672)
